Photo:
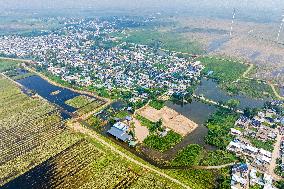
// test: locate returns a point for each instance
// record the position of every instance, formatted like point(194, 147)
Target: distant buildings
point(78, 55)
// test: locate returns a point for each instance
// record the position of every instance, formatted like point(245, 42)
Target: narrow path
point(275, 92)
point(214, 167)
point(247, 71)
point(275, 155)
point(245, 74)
point(79, 128)
point(216, 103)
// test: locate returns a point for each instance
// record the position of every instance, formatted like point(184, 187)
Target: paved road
point(275, 92)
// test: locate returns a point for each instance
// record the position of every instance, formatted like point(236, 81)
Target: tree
point(233, 103)
point(280, 184)
point(250, 112)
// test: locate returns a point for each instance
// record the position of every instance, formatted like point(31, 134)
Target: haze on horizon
point(43, 4)
point(264, 10)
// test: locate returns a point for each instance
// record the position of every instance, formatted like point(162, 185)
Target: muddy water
point(199, 113)
point(210, 89)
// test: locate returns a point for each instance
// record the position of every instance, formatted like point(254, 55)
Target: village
point(259, 140)
point(92, 53)
point(89, 54)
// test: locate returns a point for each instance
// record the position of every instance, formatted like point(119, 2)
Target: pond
point(54, 94)
point(210, 90)
point(199, 113)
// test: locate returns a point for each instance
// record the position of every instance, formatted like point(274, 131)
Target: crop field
point(6, 64)
point(79, 101)
point(90, 107)
point(28, 125)
point(87, 165)
point(17, 108)
point(224, 70)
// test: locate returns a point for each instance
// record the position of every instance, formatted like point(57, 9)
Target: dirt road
point(79, 128)
point(275, 155)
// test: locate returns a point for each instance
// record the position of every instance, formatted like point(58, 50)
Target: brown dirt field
point(171, 119)
point(141, 132)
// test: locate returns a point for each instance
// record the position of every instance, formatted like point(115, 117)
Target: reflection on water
point(199, 113)
point(210, 89)
point(46, 89)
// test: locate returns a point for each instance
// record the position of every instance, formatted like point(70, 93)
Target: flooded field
point(54, 94)
point(199, 113)
point(210, 89)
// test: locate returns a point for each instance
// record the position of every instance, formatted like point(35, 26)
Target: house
point(120, 131)
point(119, 134)
point(239, 176)
point(236, 132)
point(121, 126)
point(242, 122)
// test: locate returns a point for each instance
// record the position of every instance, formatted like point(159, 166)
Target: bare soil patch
point(170, 118)
point(141, 132)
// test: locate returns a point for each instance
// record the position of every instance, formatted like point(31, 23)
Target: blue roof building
point(119, 131)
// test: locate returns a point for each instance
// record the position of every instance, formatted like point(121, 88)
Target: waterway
point(199, 113)
point(210, 90)
point(54, 94)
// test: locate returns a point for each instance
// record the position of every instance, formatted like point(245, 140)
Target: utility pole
point(233, 19)
point(280, 28)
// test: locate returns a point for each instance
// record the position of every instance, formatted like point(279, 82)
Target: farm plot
point(17, 108)
point(86, 165)
point(79, 101)
point(21, 139)
point(84, 104)
point(90, 107)
point(28, 128)
point(68, 169)
point(170, 118)
point(6, 64)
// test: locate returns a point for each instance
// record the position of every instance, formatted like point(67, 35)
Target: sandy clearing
point(170, 118)
point(141, 132)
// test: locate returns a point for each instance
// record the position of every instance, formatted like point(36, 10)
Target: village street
point(275, 155)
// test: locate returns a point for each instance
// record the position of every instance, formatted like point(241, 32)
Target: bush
point(162, 143)
point(152, 126)
point(188, 156)
point(219, 126)
point(218, 157)
point(157, 104)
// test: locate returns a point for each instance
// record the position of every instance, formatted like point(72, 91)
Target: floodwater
point(45, 89)
point(199, 113)
point(210, 89)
